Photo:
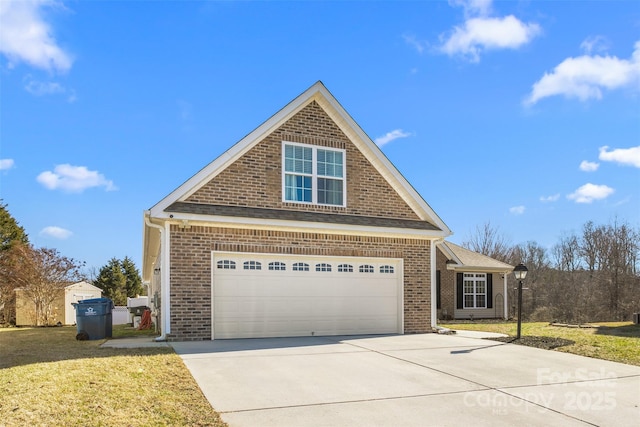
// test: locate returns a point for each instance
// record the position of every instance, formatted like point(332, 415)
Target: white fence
point(120, 315)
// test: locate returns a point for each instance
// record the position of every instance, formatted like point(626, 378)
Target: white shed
point(77, 292)
point(62, 309)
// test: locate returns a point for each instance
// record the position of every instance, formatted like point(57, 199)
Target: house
point(62, 310)
point(302, 228)
point(470, 285)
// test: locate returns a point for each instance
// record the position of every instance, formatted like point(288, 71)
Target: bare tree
point(41, 274)
point(489, 240)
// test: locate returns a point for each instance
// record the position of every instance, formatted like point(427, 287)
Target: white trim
point(165, 282)
point(475, 292)
point(319, 93)
point(505, 313)
point(305, 226)
point(434, 293)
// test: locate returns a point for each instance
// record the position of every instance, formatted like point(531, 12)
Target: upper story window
point(313, 174)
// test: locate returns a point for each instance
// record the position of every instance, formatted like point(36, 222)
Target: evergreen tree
point(12, 239)
point(132, 275)
point(119, 280)
point(10, 231)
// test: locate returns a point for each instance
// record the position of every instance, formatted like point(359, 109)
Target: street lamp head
point(520, 271)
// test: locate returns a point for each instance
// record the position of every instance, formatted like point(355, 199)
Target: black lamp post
point(520, 272)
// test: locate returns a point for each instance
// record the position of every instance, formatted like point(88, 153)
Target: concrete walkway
point(408, 380)
point(134, 342)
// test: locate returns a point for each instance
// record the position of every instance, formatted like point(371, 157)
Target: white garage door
point(257, 296)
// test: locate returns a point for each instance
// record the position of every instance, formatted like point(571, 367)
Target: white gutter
point(164, 280)
point(434, 293)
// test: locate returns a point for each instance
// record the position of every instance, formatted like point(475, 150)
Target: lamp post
point(520, 272)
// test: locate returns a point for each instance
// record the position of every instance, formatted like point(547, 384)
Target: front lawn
point(49, 378)
point(615, 341)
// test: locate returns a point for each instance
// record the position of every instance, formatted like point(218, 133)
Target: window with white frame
point(323, 267)
point(226, 264)
point(252, 265)
point(345, 268)
point(277, 266)
point(366, 268)
point(313, 174)
point(475, 290)
point(300, 266)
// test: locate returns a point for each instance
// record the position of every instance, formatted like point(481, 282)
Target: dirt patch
point(547, 343)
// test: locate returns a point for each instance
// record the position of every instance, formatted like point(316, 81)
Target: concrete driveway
point(408, 380)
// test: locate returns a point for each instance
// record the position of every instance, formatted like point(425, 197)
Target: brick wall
point(256, 178)
point(191, 269)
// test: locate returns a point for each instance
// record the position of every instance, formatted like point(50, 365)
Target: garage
point(260, 295)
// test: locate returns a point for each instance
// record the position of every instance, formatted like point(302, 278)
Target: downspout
point(164, 284)
point(434, 294)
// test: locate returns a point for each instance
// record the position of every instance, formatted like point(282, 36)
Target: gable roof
point(318, 93)
point(465, 259)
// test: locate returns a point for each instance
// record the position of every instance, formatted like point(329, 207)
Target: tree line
point(591, 275)
point(43, 273)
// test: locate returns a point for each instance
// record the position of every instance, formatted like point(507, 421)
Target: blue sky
point(522, 114)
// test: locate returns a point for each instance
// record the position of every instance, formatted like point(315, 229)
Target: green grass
point(49, 378)
point(615, 341)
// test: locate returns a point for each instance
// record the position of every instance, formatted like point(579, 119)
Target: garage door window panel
point(226, 264)
point(252, 265)
point(277, 266)
point(345, 268)
point(366, 269)
point(323, 267)
point(300, 266)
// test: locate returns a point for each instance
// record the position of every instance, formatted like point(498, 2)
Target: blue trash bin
point(94, 318)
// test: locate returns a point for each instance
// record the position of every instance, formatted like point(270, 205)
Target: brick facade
point(254, 180)
point(191, 270)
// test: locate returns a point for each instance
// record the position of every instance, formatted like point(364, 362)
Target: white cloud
point(517, 210)
point(74, 179)
point(39, 88)
point(590, 192)
point(594, 44)
point(56, 232)
point(26, 37)
point(552, 198)
point(415, 43)
point(624, 156)
point(6, 164)
point(585, 77)
point(390, 136)
point(586, 166)
point(473, 7)
point(481, 32)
